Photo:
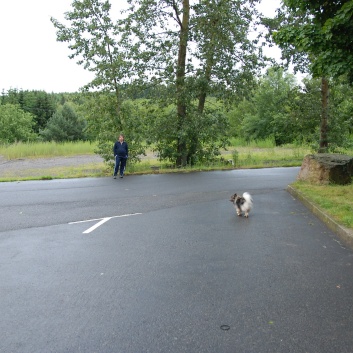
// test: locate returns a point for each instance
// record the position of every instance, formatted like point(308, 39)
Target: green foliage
point(203, 134)
point(133, 50)
point(237, 113)
point(341, 116)
point(64, 125)
point(307, 112)
point(15, 124)
point(287, 113)
point(42, 106)
point(318, 30)
point(39, 103)
point(222, 60)
point(240, 142)
point(271, 112)
point(92, 37)
point(104, 125)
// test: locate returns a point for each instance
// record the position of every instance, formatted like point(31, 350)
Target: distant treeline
point(278, 108)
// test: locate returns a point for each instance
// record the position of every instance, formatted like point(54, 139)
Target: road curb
point(345, 234)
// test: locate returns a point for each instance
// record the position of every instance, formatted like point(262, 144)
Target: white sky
point(32, 59)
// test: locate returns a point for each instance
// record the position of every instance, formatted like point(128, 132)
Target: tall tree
point(93, 38)
point(64, 125)
point(42, 105)
point(200, 49)
point(317, 33)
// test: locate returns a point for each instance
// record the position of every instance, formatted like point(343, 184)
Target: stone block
point(325, 168)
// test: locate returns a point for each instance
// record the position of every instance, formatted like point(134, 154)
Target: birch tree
point(93, 38)
point(201, 49)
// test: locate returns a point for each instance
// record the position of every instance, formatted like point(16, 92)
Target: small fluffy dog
point(242, 203)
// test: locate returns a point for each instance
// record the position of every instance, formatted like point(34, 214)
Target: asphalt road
point(161, 263)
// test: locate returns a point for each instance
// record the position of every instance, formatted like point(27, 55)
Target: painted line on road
point(96, 226)
point(102, 221)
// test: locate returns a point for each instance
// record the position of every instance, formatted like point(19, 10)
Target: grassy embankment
point(37, 151)
point(335, 200)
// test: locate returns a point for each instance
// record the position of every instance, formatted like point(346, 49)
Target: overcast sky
point(32, 59)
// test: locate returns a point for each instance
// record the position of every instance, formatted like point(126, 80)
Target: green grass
point(255, 157)
point(239, 142)
point(335, 200)
point(45, 149)
point(265, 153)
point(80, 171)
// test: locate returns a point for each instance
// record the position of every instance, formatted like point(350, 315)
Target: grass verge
point(81, 171)
point(335, 200)
point(45, 149)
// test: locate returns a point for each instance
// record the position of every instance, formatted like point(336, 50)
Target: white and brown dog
point(242, 204)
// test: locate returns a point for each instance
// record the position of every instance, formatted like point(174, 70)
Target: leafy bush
point(64, 125)
point(105, 125)
point(15, 124)
point(202, 135)
point(39, 103)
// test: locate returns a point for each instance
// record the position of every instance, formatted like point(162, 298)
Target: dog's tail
point(247, 197)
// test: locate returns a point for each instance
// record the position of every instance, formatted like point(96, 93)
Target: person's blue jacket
point(121, 149)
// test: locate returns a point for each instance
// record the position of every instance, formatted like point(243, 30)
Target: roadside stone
point(327, 168)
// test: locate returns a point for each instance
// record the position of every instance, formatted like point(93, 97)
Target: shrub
point(15, 124)
point(64, 125)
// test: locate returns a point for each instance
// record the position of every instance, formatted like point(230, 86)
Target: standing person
point(121, 152)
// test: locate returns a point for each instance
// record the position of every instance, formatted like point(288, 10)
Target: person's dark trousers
point(119, 162)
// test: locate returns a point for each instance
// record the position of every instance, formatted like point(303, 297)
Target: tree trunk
point(204, 86)
point(202, 99)
point(324, 116)
point(116, 87)
point(180, 82)
point(207, 77)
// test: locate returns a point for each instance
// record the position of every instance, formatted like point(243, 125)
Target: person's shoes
point(114, 176)
point(121, 176)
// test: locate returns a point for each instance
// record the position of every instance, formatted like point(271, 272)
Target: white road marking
point(102, 221)
point(89, 230)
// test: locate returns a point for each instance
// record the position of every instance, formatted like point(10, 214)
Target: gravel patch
point(18, 167)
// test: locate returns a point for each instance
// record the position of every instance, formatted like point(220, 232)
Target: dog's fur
point(242, 204)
